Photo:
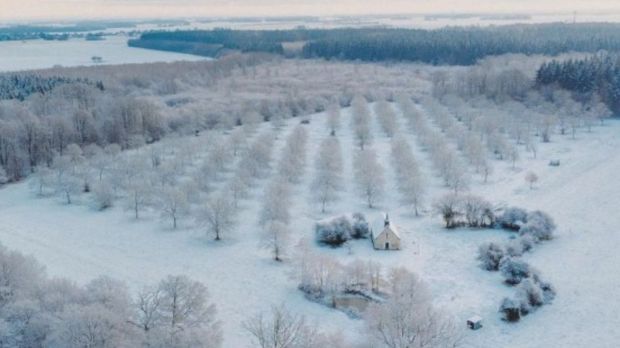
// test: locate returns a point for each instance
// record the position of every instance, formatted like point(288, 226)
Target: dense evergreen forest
point(20, 86)
point(592, 76)
point(456, 45)
point(213, 42)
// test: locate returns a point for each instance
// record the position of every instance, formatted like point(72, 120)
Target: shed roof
point(475, 319)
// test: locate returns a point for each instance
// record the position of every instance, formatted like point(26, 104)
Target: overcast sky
point(70, 9)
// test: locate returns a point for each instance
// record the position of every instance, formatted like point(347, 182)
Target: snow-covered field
point(582, 196)
point(41, 54)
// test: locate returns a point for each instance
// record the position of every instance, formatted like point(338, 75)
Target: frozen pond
point(40, 54)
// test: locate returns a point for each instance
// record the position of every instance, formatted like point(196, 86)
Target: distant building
point(474, 322)
point(387, 237)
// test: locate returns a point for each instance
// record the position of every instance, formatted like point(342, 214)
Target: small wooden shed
point(385, 235)
point(474, 322)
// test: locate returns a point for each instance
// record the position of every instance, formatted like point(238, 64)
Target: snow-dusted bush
point(103, 196)
point(338, 230)
point(490, 255)
point(514, 270)
point(513, 218)
point(548, 291)
point(334, 232)
point(360, 227)
point(539, 226)
point(530, 296)
point(510, 309)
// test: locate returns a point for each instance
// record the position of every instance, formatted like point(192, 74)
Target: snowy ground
point(581, 194)
point(42, 54)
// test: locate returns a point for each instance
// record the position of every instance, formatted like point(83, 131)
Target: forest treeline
point(211, 43)
point(20, 86)
point(453, 45)
point(141, 103)
point(598, 75)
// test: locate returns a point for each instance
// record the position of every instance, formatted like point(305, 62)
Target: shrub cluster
point(532, 227)
point(338, 230)
point(537, 225)
point(465, 210)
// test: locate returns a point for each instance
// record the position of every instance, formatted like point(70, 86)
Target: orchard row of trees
point(38, 311)
point(143, 103)
point(444, 157)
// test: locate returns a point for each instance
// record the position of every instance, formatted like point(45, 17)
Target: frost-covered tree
point(237, 141)
point(103, 195)
point(369, 176)
point(408, 319)
point(42, 181)
point(282, 329)
point(360, 122)
point(293, 158)
point(65, 182)
point(531, 178)
point(328, 167)
point(387, 118)
point(410, 183)
point(539, 226)
point(90, 325)
point(172, 203)
point(276, 237)
point(218, 215)
point(333, 118)
point(449, 208)
point(276, 203)
point(177, 313)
